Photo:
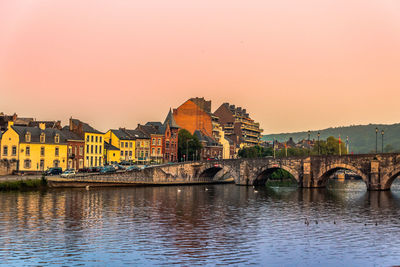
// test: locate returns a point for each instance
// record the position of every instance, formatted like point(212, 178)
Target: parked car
point(53, 171)
point(118, 167)
point(132, 168)
point(68, 173)
point(94, 169)
point(107, 169)
point(83, 170)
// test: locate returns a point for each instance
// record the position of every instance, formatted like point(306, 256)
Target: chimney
point(42, 125)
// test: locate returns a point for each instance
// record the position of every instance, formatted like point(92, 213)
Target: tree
point(188, 143)
point(255, 152)
point(329, 147)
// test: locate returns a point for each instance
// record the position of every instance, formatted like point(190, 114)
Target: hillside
point(361, 137)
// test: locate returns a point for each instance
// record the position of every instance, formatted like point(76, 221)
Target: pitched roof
point(48, 124)
point(136, 134)
point(70, 135)
point(154, 123)
point(204, 138)
point(120, 134)
point(36, 132)
point(169, 120)
point(108, 146)
point(85, 127)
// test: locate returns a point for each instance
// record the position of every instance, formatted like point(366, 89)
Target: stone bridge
point(378, 171)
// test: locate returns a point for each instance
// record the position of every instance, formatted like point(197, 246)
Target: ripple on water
point(225, 225)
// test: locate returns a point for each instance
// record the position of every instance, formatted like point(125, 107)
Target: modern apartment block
point(238, 126)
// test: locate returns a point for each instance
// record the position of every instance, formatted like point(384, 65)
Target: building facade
point(238, 126)
point(34, 148)
point(124, 142)
point(94, 142)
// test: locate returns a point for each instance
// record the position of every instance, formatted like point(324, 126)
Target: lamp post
point(318, 142)
point(382, 139)
point(309, 146)
point(376, 144)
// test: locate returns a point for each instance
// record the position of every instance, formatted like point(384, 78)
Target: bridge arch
point(217, 172)
point(390, 176)
point(262, 175)
point(332, 168)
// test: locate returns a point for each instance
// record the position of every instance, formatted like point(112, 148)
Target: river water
point(201, 225)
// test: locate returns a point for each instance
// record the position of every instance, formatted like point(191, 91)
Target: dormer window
point(57, 139)
point(28, 137)
point(42, 138)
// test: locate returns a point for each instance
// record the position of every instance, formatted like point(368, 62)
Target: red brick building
point(75, 150)
point(163, 139)
point(195, 114)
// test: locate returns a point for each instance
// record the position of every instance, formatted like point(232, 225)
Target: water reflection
point(225, 224)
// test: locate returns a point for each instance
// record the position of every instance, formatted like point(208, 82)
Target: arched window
point(42, 138)
point(28, 137)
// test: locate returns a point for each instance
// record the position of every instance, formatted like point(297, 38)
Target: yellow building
point(124, 142)
point(94, 142)
point(34, 148)
point(111, 154)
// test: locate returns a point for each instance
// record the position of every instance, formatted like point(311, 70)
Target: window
point(158, 151)
point(152, 151)
point(80, 163)
point(159, 141)
point(57, 151)
point(42, 138)
point(28, 137)
point(91, 161)
point(97, 139)
point(100, 149)
point(92, 138)
point(147, 154)
point(5, 150)
point(95, 149)
point(28, 151)
point(27, 164)
point(130, 153)
point(76, 150)
point(56, 163)
point(101, 139)
point(153, 141)
point(70, 150)
point(95, 161)
point(87, 138)
point(57, 139)
point(122, 144)
point(14, 151)
point(167, 144)
point(87, 148)
point(130, 144)
point(42, 164)
point(100, 161)
point(42, 151)
point(91, 149)
point(80, 150)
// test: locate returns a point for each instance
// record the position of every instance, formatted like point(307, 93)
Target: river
point(203, 225)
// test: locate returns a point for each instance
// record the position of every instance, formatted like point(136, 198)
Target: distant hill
point(361, 137)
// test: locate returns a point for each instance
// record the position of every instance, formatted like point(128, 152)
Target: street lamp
point(382, 139)
point(318, 142)
point(376, 144)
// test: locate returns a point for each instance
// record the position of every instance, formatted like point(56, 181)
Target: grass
point(23, 185)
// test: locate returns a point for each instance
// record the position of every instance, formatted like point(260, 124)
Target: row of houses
point(39, 145)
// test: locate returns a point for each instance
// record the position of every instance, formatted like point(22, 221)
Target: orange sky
point(295, 65)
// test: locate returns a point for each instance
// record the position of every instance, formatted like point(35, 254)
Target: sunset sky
point(294, 65)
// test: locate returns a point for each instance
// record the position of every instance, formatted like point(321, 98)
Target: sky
point(294, 65)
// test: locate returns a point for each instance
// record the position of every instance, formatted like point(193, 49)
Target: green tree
point(188, 143)
point(255, 152)
point(329, 147)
